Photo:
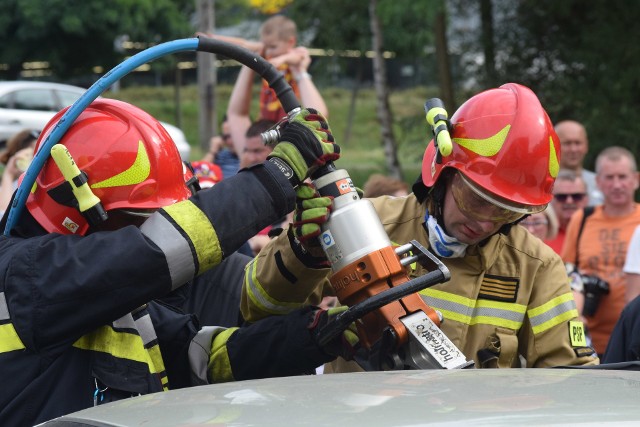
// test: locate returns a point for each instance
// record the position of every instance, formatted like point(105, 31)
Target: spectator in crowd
point(16, 158)
point(255, 151)
point(278, 40)
point(574, 146)
point(569, 196)
point(508, 303)
point(597, 246)
point(543, 225)
point(222, 151)
point(381, 185)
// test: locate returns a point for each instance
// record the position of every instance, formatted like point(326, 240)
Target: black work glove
point(305, 144)
point(344, 345)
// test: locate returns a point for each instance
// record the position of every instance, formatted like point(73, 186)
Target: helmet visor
point(479, 205)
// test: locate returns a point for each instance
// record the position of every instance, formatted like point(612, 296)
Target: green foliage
point(345, 25)
point(76, 35)
point(581, 58)
point(337, 24)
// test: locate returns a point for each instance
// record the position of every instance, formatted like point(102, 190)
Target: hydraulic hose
point(204, 44)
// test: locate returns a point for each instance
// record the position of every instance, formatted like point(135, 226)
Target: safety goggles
point(576, 197)
point(479, 205)
point(534, 223)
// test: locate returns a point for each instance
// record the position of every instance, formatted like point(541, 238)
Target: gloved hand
point(306, 143)
point(344, 345)
point(312, 210)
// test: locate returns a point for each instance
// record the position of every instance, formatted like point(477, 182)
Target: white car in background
point(30, 105)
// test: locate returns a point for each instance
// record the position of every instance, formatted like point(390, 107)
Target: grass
point(363, 153)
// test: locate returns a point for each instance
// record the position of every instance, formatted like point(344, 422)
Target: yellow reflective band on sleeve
point(124, 345)
point(474, 312)
point(219, 366)
point(199, 230)
point(552, 313)
point(9, 340)
point(259, 296)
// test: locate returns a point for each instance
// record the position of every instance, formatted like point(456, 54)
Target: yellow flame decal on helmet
point(486, 147)
point(137, 172)
point(554, 163)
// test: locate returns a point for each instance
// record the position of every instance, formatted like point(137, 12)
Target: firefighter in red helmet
point(508, 303)
point(84, 317)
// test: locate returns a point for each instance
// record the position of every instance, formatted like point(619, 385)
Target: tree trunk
point(382, 93)
point(206, 77)
point(488, 46)
point(442, 56)
point(352, 104)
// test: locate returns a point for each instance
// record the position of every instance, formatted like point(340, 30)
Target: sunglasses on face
point(576, 197)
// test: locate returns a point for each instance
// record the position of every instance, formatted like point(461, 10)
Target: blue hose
point(78, 107)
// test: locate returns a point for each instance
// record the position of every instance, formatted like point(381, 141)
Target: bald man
point(574, 145)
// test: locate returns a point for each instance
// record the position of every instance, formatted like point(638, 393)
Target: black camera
point(594, 288)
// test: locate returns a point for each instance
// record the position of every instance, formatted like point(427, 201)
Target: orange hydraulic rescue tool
point(397, 328)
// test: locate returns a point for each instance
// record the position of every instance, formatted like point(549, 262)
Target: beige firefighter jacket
point(509, 298)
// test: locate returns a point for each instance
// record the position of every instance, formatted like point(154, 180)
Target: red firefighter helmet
point(129, 158)
point(505, 145)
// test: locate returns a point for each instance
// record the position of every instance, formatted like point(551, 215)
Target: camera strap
point(586, 212)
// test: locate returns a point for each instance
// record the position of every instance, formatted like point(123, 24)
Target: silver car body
point(504, 397)
point(30, 105)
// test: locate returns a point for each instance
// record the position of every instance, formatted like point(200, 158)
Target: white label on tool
point(434, 341)
point(330, 247)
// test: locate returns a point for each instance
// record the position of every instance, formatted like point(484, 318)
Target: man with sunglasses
point(508, 303)
point(569, 196)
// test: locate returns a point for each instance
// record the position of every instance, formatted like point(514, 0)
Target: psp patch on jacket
point(499, 288)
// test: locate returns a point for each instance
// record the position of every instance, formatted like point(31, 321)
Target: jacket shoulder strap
point(586, 212)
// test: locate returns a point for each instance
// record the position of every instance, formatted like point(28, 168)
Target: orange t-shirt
point(602, 249)
point(270, 107)
point(557, 242)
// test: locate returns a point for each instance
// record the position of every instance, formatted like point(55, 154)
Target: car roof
point(401, 398)
point(26, 84)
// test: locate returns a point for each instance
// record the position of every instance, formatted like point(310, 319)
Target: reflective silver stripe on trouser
point(146, 330)
point(4, 310)
point(125, 322)
point(199, 353)
point(175, 247)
